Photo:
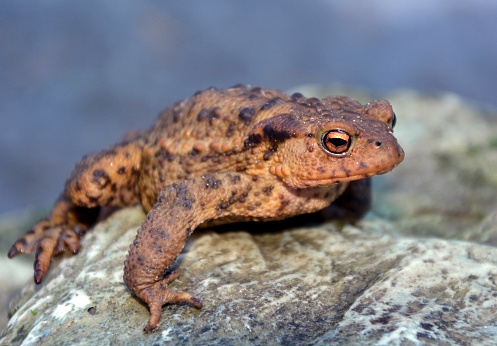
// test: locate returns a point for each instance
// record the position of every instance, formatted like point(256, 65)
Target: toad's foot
point(158, 294)
point(48, 240)
point(54, 235)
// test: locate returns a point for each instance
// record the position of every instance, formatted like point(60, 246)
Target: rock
point(448, 186)
point(302, 285)
point(402, 275)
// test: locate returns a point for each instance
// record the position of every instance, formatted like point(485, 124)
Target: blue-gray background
point(75, 75)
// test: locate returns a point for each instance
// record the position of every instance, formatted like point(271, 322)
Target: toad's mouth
point(344, 179)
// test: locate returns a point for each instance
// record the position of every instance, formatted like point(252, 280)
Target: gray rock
point(448, 185)
point(402, 275)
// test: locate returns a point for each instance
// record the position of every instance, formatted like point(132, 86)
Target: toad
point(221, 156)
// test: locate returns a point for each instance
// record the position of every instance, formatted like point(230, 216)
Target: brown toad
point(244, 153)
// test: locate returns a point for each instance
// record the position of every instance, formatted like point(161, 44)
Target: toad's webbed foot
point(158, 294)
point(54, 235)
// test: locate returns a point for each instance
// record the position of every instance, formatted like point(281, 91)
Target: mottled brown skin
point(244, 153)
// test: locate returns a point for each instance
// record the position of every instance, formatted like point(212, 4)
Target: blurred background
point(74, 76)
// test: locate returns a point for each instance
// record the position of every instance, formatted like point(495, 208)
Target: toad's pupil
point(337, 142)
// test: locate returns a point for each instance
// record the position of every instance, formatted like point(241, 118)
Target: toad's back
point(213, 131)
point(207, 133)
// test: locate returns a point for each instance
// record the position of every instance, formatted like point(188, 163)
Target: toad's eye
point(394, 120)
point(336, 141)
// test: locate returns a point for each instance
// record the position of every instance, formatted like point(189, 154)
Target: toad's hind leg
point(108, 178)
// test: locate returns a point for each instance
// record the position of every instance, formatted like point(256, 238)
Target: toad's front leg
point(180, 208)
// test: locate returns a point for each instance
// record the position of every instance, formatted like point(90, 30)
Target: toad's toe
point(158, 295)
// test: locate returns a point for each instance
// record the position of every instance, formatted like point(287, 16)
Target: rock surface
point(421, 268)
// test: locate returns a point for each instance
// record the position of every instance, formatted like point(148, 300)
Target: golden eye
point(336, 141)
point(394, 120)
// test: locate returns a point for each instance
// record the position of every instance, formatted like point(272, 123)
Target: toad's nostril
point(378, 144)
